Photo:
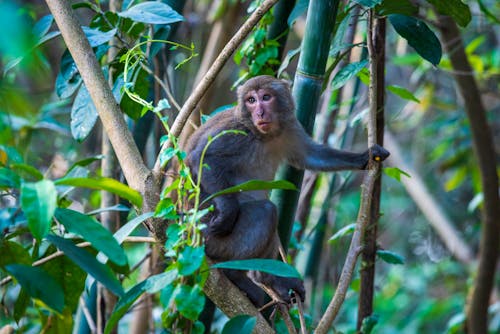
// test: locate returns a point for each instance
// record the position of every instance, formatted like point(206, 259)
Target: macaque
point(243, 225)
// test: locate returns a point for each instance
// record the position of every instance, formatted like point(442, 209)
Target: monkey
point(244, 225)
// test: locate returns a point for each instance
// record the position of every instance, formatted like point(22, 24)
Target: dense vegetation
point(97, 97)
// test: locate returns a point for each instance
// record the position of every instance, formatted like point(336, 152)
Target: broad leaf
point(125, 231)
point(240, 324)
point(38, 284)
point(347, 73)
point(123, 305)
point(83, 115)
point(43, 26)
point(274, 267)
point(402, 93)
point(69, 276)
point(152, 284)
point(9, 179)
point(368, 3)
point(97, 37)
point(152, 12)
point(419, 36)
point(395, 173)
point(39, 201)
point(87, 262)
point(190, 259)
point(103, 183)
point(68, 79)
point(93, 232)
point(346, 230)
point(388, 7)
point(254, 185)
point(459, 11)
point(12, 252)
point(190, 301)
point(390, 257)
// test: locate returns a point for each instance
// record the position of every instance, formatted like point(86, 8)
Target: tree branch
point(133, 167)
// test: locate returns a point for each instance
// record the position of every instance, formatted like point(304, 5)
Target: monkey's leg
point(253, 235)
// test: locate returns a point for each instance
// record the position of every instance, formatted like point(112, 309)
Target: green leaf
point(104, 183)
point(68, 79)
point(159, 282)
point(152, 12)
point(22, 302)
point(190, 259)
point(123, 304)
point(368, 3)
point(474, 203)
point(126, 229)
point(83, 115)
point(388, 7)
point(152, 284)
point(162, 104)
point(390, 257)
point(274, 267)
point(70, 277)
point(419, 36)
point(456, 179)
point(487, 12)
point(39, 201)
point(117, 207)
point(459, 11)
point(27, 172)
point(190, 301)
point(9, 179)
point(38, 284)
point(240, 324)
point(12, 252)
point(369, 323)
point(347, 72)
point(85, 162)
point(93, 232)
point(395, 173)
point(346, 230)
point(97, 37)
point(254, 185)
point(43, 26)
point(402, 93)
point(87, 262)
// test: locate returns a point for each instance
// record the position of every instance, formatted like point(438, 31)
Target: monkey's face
point(261, 104)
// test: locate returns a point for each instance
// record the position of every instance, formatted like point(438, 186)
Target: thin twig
point(163, 85)
point(303, 326)
point(209, 77)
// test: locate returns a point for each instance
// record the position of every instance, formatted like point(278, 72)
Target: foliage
point(54, 249)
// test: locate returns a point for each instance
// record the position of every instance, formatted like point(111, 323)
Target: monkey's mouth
point(265, 126)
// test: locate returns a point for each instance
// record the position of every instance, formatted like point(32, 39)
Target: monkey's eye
point(266, 97)
point(251, 99)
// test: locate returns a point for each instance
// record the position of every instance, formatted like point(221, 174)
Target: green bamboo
point(306, 92)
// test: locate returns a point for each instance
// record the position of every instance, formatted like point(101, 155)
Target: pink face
point(261, 105)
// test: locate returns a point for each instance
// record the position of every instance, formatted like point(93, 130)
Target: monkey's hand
point(283, 285)
point(378, 153)
point(222, 223)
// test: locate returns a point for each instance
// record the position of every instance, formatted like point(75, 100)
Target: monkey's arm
point(313, 156)
point(214, 178)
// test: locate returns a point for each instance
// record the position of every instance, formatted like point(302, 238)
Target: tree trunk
point(477, 314)
point(367, 272)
